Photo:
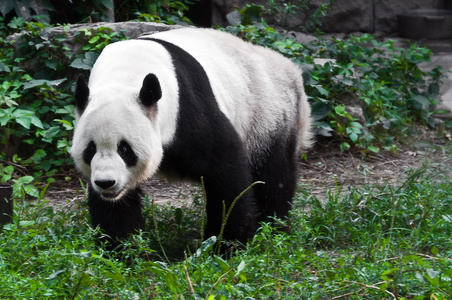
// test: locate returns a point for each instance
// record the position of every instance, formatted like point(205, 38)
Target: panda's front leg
point(117, 219)
point(222, 188)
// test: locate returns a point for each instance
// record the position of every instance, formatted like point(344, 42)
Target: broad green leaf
point(373, 149)
point(25, 179)
point(320, 110)
point(8, 169)
point(36, 121)
point(18, 113)
point(24, 122)
point(29, 141)
point(4, 120)
point(94, 39)
point(224, 265)
point(353, 136)
point(434, 250)
point(356, 125)
point(344, 146)
point(240, 268)
point(323, 91)
point(322, 128)
point(27, 223)
point(85, 63)
point(4, 68)
point(62, 143)
point(52, 132)
point(6, 85)
point(42, 82)
point(66, 124)
point(340, 110)
point(206, 246)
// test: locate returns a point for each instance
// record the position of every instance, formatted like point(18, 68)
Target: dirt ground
point(325, 168)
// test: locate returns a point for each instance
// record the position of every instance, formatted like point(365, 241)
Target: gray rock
point(130, 30)
point(349, 16)
point(301, 38)
point(386, 12)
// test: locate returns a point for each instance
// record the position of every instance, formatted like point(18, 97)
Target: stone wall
point(346, 15)
point(386, 11)
point(371, 15)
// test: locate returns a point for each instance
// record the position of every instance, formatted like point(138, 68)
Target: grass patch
point(372, 242)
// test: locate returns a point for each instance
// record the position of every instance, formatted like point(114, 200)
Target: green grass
point(370, 242)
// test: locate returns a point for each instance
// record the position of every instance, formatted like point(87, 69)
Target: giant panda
point(190, 103)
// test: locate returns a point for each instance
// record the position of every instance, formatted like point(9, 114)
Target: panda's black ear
point(81, 94)
point(151, 91)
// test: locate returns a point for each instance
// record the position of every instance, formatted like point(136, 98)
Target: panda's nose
point(105, 184)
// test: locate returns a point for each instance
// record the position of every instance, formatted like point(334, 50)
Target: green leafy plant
point(167, 11)
point(33, 114)
point(36, 110)
point(37, 74)
point(386, 81)
point(6, 173)
point(362, 91)
point(26, 8)
point(23, 186)
point(300, 15)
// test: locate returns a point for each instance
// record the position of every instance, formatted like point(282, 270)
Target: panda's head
point(116, 142)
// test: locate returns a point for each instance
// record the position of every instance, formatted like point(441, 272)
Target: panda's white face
point(125, 116)
point(116, 156)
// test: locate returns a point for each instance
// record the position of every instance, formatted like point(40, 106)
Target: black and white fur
point(189, 103)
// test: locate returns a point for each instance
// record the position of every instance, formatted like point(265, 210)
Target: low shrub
point(382, 80)
point(36, 104)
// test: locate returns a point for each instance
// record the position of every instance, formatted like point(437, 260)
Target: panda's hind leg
point(278, 169)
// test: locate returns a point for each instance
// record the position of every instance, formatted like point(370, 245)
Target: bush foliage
point(36, 103)
point(77, 11)
point(384, 81)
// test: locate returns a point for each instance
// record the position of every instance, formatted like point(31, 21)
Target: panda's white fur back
point(256, 88)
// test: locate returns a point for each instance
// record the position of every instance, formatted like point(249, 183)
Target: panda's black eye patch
point(127, 154)
point(89, 152)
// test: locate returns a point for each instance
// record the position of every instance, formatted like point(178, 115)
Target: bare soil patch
point(325, 168)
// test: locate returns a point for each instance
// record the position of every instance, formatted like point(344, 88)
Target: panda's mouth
point(109, 196)
point(112, 196)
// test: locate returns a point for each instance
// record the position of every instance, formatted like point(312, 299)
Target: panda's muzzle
point(105, 184)
point(107, 190)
